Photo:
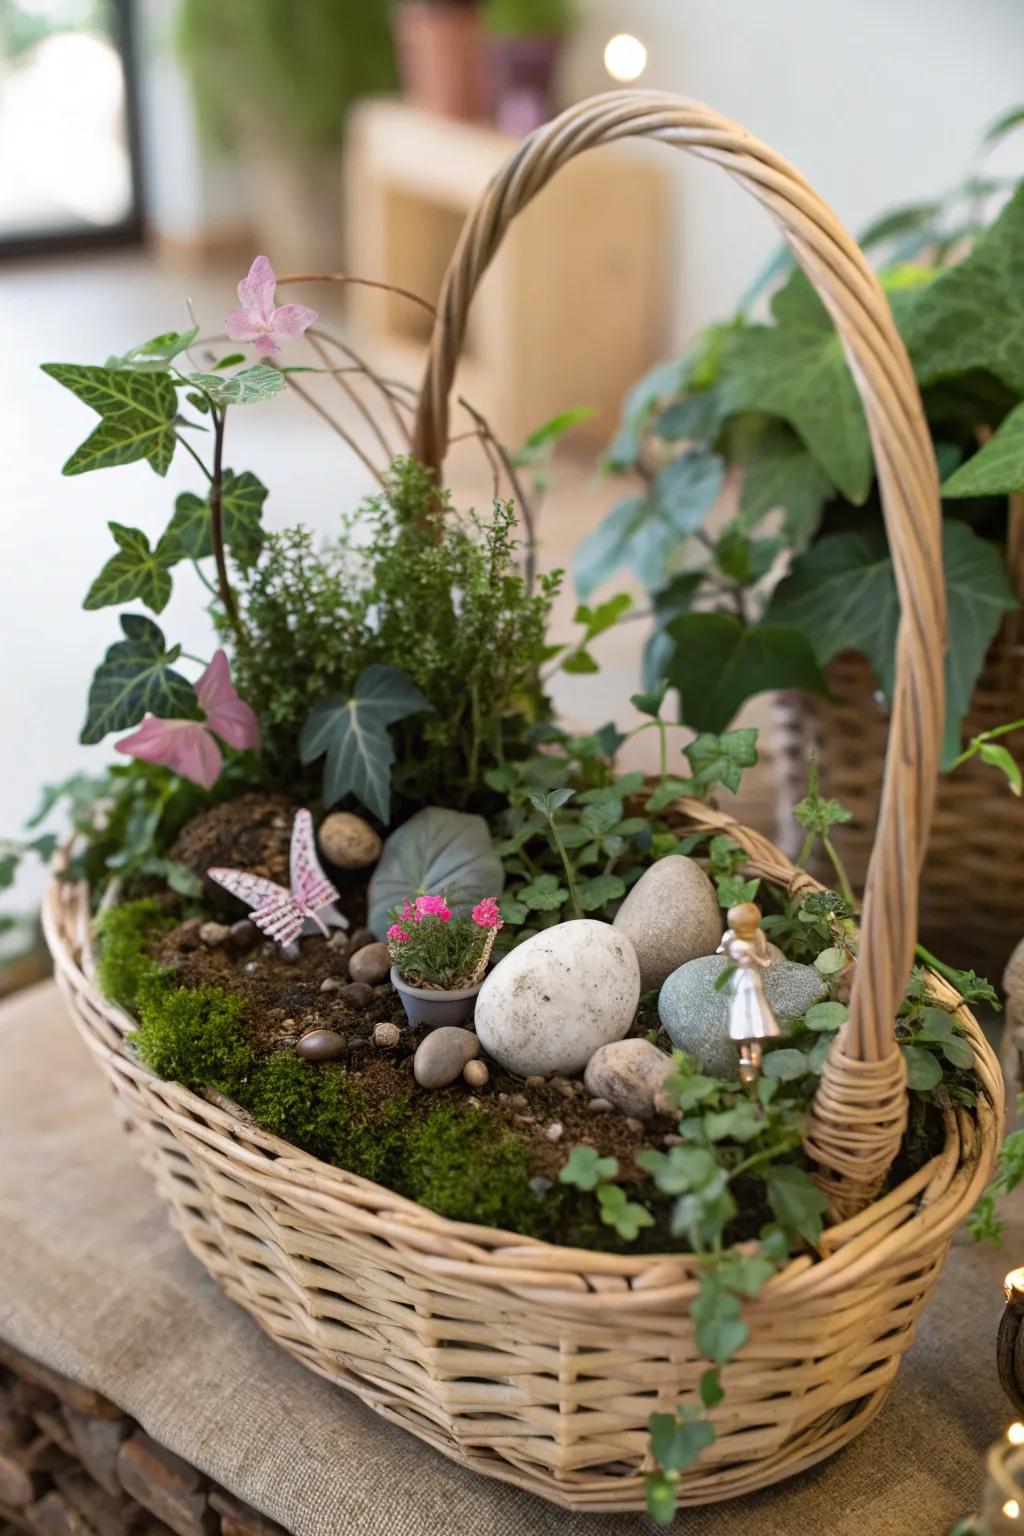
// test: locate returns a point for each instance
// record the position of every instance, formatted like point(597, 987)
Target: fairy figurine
point(751, 1019)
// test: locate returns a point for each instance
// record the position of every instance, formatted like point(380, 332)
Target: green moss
point(123, 934)
point(459, 1163)
point(329, 1113)
point(193, 1036)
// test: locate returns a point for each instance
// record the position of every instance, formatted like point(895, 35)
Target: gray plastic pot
point(431, 1007)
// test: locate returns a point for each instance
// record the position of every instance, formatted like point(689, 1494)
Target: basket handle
point(860, 1110)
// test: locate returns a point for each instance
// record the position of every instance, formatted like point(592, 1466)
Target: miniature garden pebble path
point(100, 1288)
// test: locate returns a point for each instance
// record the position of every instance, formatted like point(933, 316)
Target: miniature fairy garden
point(351, 875)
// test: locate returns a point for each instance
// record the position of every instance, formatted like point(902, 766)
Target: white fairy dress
point(750, 1016)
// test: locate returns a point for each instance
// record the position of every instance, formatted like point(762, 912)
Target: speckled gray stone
point(696, 1017)
point(671, 915)
point(549, 1004)
point(628, 1073)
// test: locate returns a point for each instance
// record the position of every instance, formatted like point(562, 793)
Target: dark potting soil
point(284, 1000)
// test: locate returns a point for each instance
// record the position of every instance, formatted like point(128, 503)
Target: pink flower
point(397, 934)
point(486, 914)
point(258, 322)
point(187, 746)
point(432, 906)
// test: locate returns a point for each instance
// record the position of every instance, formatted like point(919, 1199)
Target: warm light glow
point(625, 57)
point(1013, 1285)
point(1011, 1509)
point(1015, 1434)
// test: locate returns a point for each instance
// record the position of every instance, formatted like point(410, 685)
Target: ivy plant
point(771, 401)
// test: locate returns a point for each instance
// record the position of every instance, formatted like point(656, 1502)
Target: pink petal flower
point(256, 290)
point(228, 716)
point(258, 322)
point(485, 914)
point(432, 906)
point(397, 934)
point(184, 746)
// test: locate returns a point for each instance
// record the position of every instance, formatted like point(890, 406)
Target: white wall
point(877, 102)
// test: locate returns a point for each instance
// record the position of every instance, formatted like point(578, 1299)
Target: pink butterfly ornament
point(282, 914)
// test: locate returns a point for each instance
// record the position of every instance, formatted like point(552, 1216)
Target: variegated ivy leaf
point(136, 678)
point(780, 473)
point(256, 383)
point(153, 356)
point(135, 572)
point(138, 411)
point(241, 504)
point(353, 734)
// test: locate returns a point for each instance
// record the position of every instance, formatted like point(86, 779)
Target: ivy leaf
point(998, 756)
point(625, 1215)
point(512, 911)
point(667, 792)
point(972, 315)
point(997, 469)
point(135, 678)
point(796, 1201)
point(842, 595)
point(644, 533)
point(733, 891)
point(831, 961)
point(780, 473)
point(259, 382)
point(796, 369)
point(825, 1016)
point(978, 596)
point(786, 1065)
point(548, 801)
point(717, 663)
point(578, 663)
point(138, 413)
point(241, 503)
point(353, 734)
point(601, 816)
point(744, 560)
point(676, 1442)
point(661, 383)
point(721, 759)
point(721, 1330)
point(153, 356)
point(710, 1389)
point(136, 571)
point(650, 703)
point(924, 1070)
point(544, 894)
point(678, 1170)
point(661, 1495)
point(601, 889)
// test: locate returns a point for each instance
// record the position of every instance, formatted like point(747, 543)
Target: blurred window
point(69, 173)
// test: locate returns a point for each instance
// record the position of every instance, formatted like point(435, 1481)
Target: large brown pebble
point(628, 1073)
point(441, 1056)
point(370, 964)
point(348, 841)
point(321, 1045)
point(358, 993)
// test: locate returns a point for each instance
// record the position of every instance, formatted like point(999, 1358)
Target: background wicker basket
point(541, 1365)
point(976, 825)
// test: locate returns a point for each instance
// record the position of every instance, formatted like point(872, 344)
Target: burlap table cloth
point(95, 1284)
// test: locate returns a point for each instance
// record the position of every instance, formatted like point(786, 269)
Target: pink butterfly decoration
point(278, 912)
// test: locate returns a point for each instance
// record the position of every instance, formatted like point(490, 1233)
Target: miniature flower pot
point(431, 1006)
point(442, 60)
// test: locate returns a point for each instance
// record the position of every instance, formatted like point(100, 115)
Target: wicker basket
point(537, 1364)
point(976, 825)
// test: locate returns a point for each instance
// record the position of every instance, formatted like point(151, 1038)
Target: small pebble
point(371, 963)
point(519, 1101)
point(555, 1131)
point(599, 1106)
point(633, 1123)
point(441, 1056)
point(629, 1074)
point(561, 1085)
point(386, 1035)
point(357, 993)
point(250, 966)
point(214, 934)
point(476, 1074)
point(187, 937)
point(244, 935)
point(321, 1045)
point(339, 939)
point(526, 1119)
point(540, 1186)
point(361, 938)
point(331, 984)
point(670, 1139)
point(535, 1082)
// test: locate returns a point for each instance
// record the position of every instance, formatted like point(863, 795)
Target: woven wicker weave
point(541, 1365)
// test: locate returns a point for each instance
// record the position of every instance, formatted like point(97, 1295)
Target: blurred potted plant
point(441, 57)
point(527, 43)
point(271, 82)
point(772, 411)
